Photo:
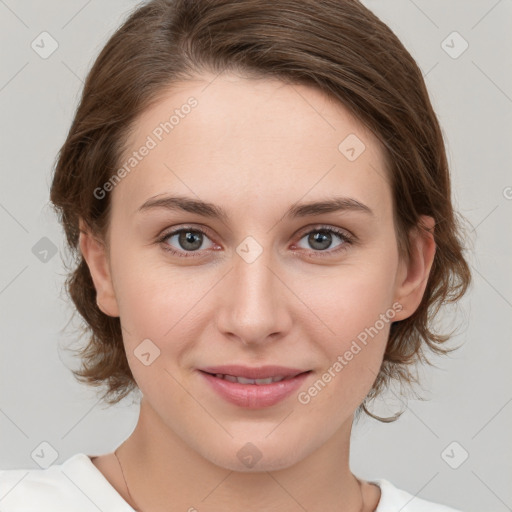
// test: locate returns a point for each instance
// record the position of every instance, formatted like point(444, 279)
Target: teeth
point(243, 380)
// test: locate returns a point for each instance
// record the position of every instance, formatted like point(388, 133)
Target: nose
point(253, 301)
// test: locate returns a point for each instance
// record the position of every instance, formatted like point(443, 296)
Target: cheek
point(161, 305)
point(358, 317)
point(149, 295)
point(353, 297)
point(355, 305)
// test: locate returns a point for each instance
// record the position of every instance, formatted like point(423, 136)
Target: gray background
point(469, 394)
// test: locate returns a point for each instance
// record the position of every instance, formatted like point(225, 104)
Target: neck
point(160, 468)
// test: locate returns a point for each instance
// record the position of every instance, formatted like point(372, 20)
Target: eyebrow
point(205, 209)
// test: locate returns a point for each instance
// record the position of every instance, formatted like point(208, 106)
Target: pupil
point(188, 237)
point(320, 238)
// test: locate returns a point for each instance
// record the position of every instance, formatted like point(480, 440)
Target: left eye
point(321, 239)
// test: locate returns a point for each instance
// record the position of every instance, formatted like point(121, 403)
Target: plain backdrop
point(454, 447)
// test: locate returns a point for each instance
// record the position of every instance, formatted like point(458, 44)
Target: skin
point(254, 147)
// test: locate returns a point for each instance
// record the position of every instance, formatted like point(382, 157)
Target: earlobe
point(95, 255)
point(413, 275)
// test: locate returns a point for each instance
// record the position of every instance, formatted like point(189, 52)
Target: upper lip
point(261, 372)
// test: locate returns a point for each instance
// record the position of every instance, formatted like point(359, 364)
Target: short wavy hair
point(338, 46)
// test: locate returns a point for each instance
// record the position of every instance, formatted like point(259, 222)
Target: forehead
point(244, 140)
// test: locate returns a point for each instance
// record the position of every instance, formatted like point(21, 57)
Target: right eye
point(189, 240)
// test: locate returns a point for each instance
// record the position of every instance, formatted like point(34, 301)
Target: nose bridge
point(253, 307)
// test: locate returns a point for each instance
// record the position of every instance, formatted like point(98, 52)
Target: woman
point(259, 199)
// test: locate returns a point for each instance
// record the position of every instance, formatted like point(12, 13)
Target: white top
point(78, 485)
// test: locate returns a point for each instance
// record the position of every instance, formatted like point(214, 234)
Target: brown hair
point(337, 46)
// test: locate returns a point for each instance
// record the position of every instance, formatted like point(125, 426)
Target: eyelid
point(166, 233)
point(325, 227)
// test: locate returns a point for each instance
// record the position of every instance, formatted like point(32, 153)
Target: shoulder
point(393, 500)
point(73, 485)
point(21, 489)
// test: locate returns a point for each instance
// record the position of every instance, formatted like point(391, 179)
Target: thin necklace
point(137, 509)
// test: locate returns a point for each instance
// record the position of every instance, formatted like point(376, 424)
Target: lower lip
point(253, 396)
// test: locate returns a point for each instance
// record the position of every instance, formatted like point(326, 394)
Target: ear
point(95, 254)
point(412, 275)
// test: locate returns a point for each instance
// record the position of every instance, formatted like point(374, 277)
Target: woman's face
point(271, 282)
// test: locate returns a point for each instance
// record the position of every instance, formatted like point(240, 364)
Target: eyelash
point(347, 240)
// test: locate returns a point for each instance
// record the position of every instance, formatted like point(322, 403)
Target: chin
point(255, 457)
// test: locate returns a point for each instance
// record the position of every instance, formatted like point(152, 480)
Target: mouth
point(258, 382)
point(253, 375)
point(254, 388)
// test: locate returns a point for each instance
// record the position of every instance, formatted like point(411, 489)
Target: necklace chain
point(137, 509)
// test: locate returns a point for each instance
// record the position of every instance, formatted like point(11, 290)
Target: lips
point(243, 380)
point(263, 372)
point(256, 393)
